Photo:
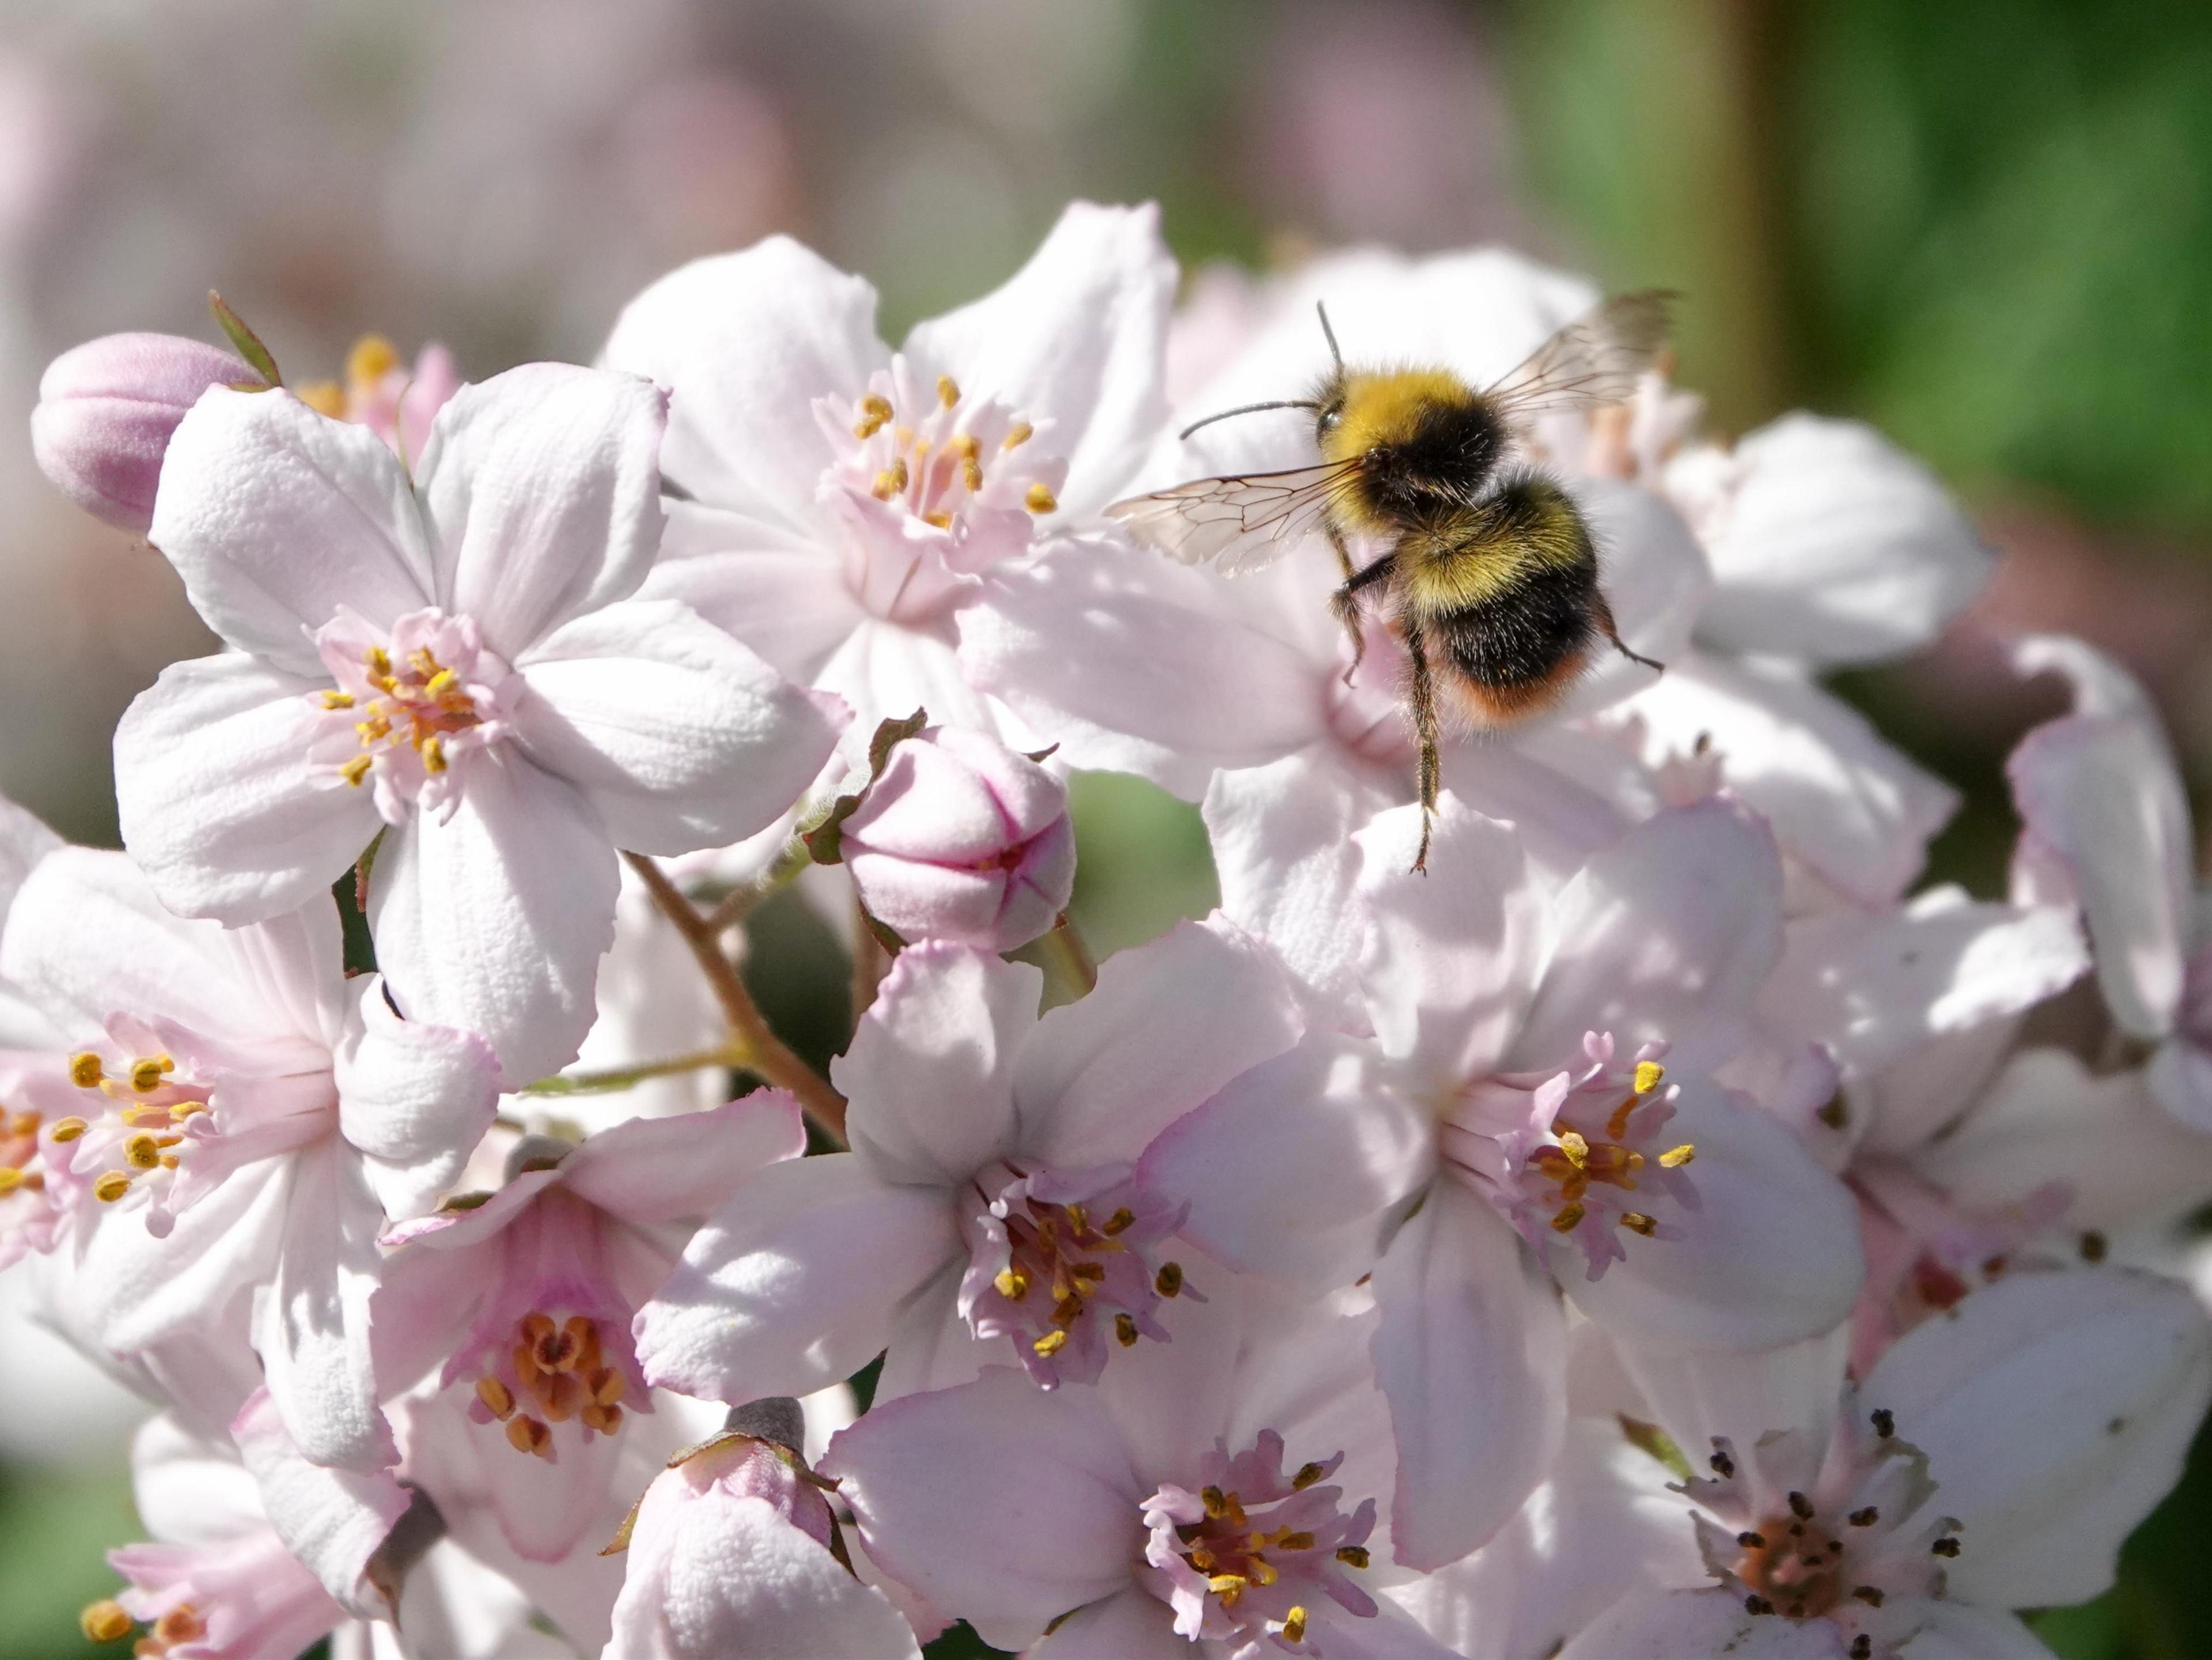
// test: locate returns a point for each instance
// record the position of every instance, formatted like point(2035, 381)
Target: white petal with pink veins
point(2056, 1410)
point(494, 920)
point(1075, 337)
point(660, 1170)
point(1468, 1354)
point(333, 1521)
point(543, 491)
point(275, 515)
point(414, 1099)
point(1833, 546)
point(215, 795)
point(792, 1285)
point(681, 737)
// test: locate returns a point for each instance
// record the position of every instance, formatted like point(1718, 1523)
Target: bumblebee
point(1491, 576)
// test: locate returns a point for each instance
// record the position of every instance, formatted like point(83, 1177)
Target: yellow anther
point(85, 1070)
point(434, 755)
point(1675, 1158)
point(1125, 1328)
point(1648, 1076)
point(966, 445)
point(1308, 1474)
point(1294, 1624)
point(68, 1129)
point(338, 700)
point(324, 396)
point(1018, 434)
point(441, 685)
point(609, 1386)
point(525, 1434)
point(875, 415)
point(112, 1186)
point(141, 1152)
point(948, 390)
point(1638, 1222)
point(169, 1160)
point(1040, 500)
point(1069, 1308)
point(1574, 1147)
point(1569, 1215)
point(941, 519)
point(1169, 1280)
point(1228, 1587)
point(104, 1621)
point(24, 1123)
point(378, 660)
point(1051, 1343)
point(1119, 1222)
point(12, 1178)
point(498, 1398)
point(1352, 1556)
point(1285, 1540)
point(376, 728)
point(891, 481)
point(1215, 1500)
point(146, 1074)
point(355, 770)
point(1012, 1285)
point(371, 358)
point(1263, 1572)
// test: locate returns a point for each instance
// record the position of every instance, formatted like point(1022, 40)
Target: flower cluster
point(1659, 1227)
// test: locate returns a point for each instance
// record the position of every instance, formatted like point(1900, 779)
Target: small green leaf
point(1650, 1439)
point(248, 342)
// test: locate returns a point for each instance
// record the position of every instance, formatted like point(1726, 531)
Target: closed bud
point(962, 839)
point(105, 412)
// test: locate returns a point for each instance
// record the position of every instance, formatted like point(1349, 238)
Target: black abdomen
point(1521, 637)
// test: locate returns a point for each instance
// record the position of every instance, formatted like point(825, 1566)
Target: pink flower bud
point(962, 839)
point(106, 409)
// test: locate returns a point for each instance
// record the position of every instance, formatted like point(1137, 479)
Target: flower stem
point(756, 1050)
point(735, 906)
point(609, 1078)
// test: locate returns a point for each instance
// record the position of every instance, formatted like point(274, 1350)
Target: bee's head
point(1328, 409)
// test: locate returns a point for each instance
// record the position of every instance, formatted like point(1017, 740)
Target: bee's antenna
point(1323, 311)
point(1248, 408)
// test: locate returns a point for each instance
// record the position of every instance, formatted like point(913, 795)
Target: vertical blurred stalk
point(1652, 134)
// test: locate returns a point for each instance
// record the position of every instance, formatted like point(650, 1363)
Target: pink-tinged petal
point(1452, 957)
point(311, 1324)
point(276, 516)
point(1130, 1624)
point(106, 409)
point(1839, 797)
point(1875, 987)
point(1835, 547)
point(2055, 1409)
point(415, 1099)
point(998, 1498)
point(542, 489)
point(661, 1169)
point(1695, 1394)
point(1298, 1166)
point(2101, 795)
point(929, 1068)
point(494, 920)
point(1664, 936)
point(1956, 1631)
point(1468, 1354)
point(1654, 577)
point(1289, 871)
point(1076, 338)
point(24, 840)
point(1770, 1254)
point(332, 1520)
point(215, 799)
point(730, 1578)
point(1578, 797)
point(931, 1346)
point(680, 736)
point(794, 1284)
point(1167, 1025)
point(1675, 1625)
point(188, 1488)
point(745, 341)
point(885, 671)
point(783, 594)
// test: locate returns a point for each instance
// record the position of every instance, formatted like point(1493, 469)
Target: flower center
point(1580, 1154)
point(1057, 1261)
point(554, 1371)
point(19, 1152)
point(408, 706)
point(1251, 1552)
point(936, 487)
point(136, 1126)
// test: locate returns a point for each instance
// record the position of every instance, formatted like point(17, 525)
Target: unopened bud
point(962, 839)
point(106, 410)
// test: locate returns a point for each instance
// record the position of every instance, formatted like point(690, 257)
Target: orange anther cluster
point(561, 1374)
point(424, 703)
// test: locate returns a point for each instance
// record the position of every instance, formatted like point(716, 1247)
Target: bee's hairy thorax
point(1426, 442)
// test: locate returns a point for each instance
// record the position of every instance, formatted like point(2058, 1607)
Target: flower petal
point(334, 1520)
point(542, 489)
point(794, 1284)
point(214, 796)
point(414, 1097)
point(494, 920)
point(276, 516)
point(661, 1169)
point(681, 737)
point(784, 596)
point(1132, 1624)
point(1671, 1625)
point(1077, 336)
point(1468, 1354)
point(1835, 547)
point(2055, 1410)
point(1011, 1504)
point(929, 1072)
point(1956, 1631)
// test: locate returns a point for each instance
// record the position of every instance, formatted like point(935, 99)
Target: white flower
point(455, 658)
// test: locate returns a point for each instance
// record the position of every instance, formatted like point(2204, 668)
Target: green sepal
point(248, 342)
point(826, 841)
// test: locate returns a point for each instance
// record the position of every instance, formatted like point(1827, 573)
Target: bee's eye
point(1331, 419)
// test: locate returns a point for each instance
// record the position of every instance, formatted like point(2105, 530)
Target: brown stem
point(765, 1054)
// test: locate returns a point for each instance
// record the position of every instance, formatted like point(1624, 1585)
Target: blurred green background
point(1985, 225)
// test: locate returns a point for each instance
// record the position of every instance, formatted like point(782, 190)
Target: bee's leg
point(1605, 622)
point(1336, 541)
point(1423, 689)
point(1344, 603)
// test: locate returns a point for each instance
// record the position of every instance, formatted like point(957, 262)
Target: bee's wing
point(1594, 361)
point(1237, 524)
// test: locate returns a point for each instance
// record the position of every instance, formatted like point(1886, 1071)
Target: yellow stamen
point(1285, 1540)
point(371, 358)
point(1051, 1343)
point(948, 390)
point(941, 519)
point(608, 1386)
point(338, 700)
point(180, 1625)
point(1308, 1474)
point(1675, 1158)
point(324, 396)
point(84, 1070)
point(12, 1178)
point(441, 683)
point(1638, 1222)
point(1169, 1280)
point(111, 1186)
point(498, 1398)
point(1294, 1624)
point(1228, 1587)
point(1215, 1500)
point(1649, 1075)
point(355, 770)
point(1125, 1328)
point(1012, 1285)
point(1018, 434)
point(378, 660)
point(891, 481)
point(104, 1621)
point(1574, 1147)
point(375, 728)
point(1119, 1222)
point(1568, 1218)
point(525, 1434)
point(1263, 1570)
point(141, 1152)
point(146, 1075)
point(875, 415)
point(1352, 1556)
point(68, 1129)
point(1040, 500)
point(434, 755)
